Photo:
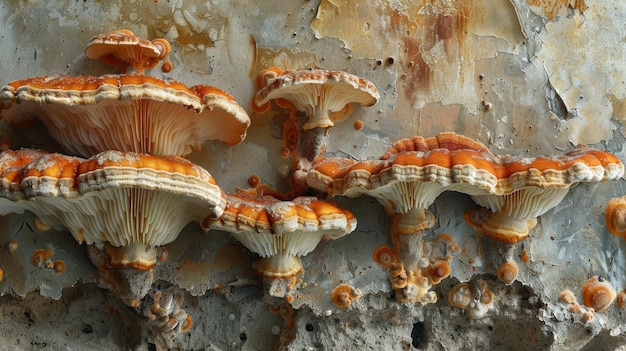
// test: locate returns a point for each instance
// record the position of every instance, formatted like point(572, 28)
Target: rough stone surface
point(506, 73)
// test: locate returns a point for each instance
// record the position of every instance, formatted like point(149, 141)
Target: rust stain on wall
point(550, 9)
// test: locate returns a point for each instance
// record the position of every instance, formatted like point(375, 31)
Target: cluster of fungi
point(125, 190)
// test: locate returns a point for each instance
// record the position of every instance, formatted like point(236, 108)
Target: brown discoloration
point(445, 26)
point(550, 9)
point(417, 74)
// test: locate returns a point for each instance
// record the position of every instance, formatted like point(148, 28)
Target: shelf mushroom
point(406, 181)
point(129, 113)
point(125, 204)
point(529, 187)
point(325, 96)
point(317, 92)
point(121, 48)
point(281, 232)
point(11, 164)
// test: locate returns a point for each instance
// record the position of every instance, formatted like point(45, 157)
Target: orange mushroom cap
point(615, 216)
point(130, 113)
point(415, 171)
point(121, 48)
point(118, 199)
point(598, 294)
point(317, 92)
point(281, 230)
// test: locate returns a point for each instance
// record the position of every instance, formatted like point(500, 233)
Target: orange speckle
point(12, 246)
point(167, 67)
point(110, 310)
point(187, 324)
point(567, 296)
point(358, 125)
point(162, 254)
point(575, 308)
point(254, 180)
point(1, 274)
point(587, 316)
point(289, 298)
point(471, 261)
point(285, 152)
point(58, 266)
point(286, 310)
point(525, 256)
point(41, 255)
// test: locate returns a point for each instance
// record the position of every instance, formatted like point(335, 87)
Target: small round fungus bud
point(344, 295)
point(507, 272)
point(598, 294)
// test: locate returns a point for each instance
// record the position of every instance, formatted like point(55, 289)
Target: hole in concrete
point(309, 327)
point(151, 347)
point(417, 334)
point(87, 329)
point(243, 336)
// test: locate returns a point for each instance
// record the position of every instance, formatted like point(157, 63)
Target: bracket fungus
point(281, 232)
point(317, 92)
point(129, 113)
point(115, 200)
point(121, 48)
point(406, 181)
point(528, 187)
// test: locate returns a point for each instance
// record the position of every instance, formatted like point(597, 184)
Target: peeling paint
point(583, 58)
point(551, 9)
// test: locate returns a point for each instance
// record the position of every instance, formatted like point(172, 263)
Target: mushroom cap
point(121, 48)
point(130, 113)
point(529, 187)
point(269, 227)
point(343, 295)
point(406, 180)
point(120, 199)
point(11, 164)
point(316, 92)
point(415, 171)
point(446, 140)
point(598, 294)
point(615, 216)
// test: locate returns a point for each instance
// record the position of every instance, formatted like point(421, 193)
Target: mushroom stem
point(130, 284)
point(279, 266)
point(412, 222)
point(279, 273)
point(135, 255)
point(320, 119)
point(504, 228)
